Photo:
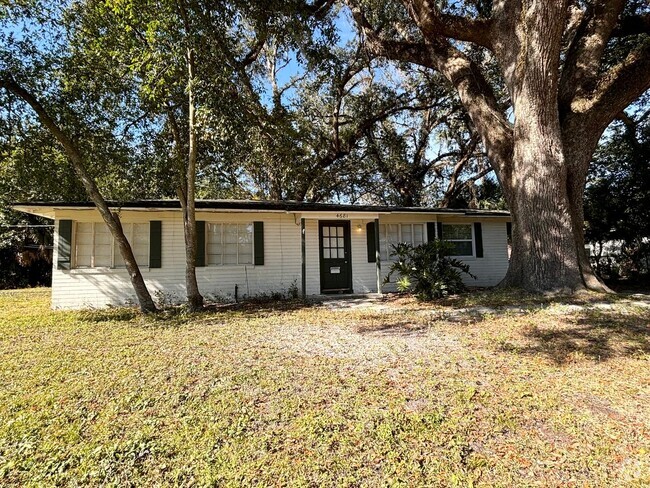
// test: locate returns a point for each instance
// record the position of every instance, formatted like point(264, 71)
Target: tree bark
point(541, 160)
point(112, 220)
point(194, 297)
point(580, 141)
point(544, 256)
point(187, 193)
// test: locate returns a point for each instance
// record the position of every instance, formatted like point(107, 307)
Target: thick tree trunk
point(112, 220)
point(544, 257)
point(535, 160)
point(576, 188)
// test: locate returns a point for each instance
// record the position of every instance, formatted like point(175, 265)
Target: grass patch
point(306, 396)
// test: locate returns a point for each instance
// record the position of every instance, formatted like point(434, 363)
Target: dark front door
point(335, 262)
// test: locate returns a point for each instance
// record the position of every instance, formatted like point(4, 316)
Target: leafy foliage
point(427, 270)
point(617, 198)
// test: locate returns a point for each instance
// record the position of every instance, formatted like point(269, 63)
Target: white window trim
point(466, 256)
point(385, 244)
point(206, 244)
point(92, 266)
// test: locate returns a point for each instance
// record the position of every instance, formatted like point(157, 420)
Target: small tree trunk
point(137, 281)
point(194, 297)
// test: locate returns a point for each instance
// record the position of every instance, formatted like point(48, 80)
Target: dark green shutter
point(509, 231)
point(478, 239)
point(65, 244)
point(439, 225)
point(258, 243)
point(370, 242)
point(155, 244)
point(431, 231)
point(200, 243)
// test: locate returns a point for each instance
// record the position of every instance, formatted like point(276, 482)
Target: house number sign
point(342, 216)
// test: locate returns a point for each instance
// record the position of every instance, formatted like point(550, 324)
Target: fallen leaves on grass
point(413, 395)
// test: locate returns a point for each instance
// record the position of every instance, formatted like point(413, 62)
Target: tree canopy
point(411, 102)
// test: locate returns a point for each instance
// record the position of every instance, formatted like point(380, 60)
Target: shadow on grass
point(112, 314)
point(591, 335)
point(396, 328)
point(497, 297)
point(214, 313)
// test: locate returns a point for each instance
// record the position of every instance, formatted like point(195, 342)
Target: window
point(460, 236)
point(95, 247)
point(138, 237)
point(333, 242)
point(392, 234)
point(229, 244)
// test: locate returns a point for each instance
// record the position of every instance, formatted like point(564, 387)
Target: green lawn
point(556, 395)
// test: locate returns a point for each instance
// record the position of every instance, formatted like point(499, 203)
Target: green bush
point(427, 271)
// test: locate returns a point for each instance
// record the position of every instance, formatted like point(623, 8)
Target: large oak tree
point(568, 69)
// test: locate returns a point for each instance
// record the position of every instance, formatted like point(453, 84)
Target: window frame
point(208, 234)
point(128, 234)
point(385, 244)
point(472, 239)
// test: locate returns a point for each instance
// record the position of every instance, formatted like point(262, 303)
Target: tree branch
point(583, 57)
point(434, 23)
point(466, 77)
point(77, 159)
point(619, 87)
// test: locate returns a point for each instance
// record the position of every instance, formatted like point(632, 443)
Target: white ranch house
point(256, 247)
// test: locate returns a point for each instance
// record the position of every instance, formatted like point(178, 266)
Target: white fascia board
point(47, 212)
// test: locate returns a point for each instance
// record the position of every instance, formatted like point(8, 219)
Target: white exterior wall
point(99, 287)
point(492, 267)
point(489, 270)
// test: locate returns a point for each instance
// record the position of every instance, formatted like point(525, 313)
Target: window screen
point(392, 234)
point(229, 244)
point(460, 237)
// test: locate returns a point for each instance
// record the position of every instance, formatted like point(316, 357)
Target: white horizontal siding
point(101, 287)
point(490, 269)
point(79, 288)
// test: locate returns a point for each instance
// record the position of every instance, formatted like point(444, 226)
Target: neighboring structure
point(255, 247)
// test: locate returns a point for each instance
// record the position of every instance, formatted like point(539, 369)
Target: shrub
point(427, 271)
